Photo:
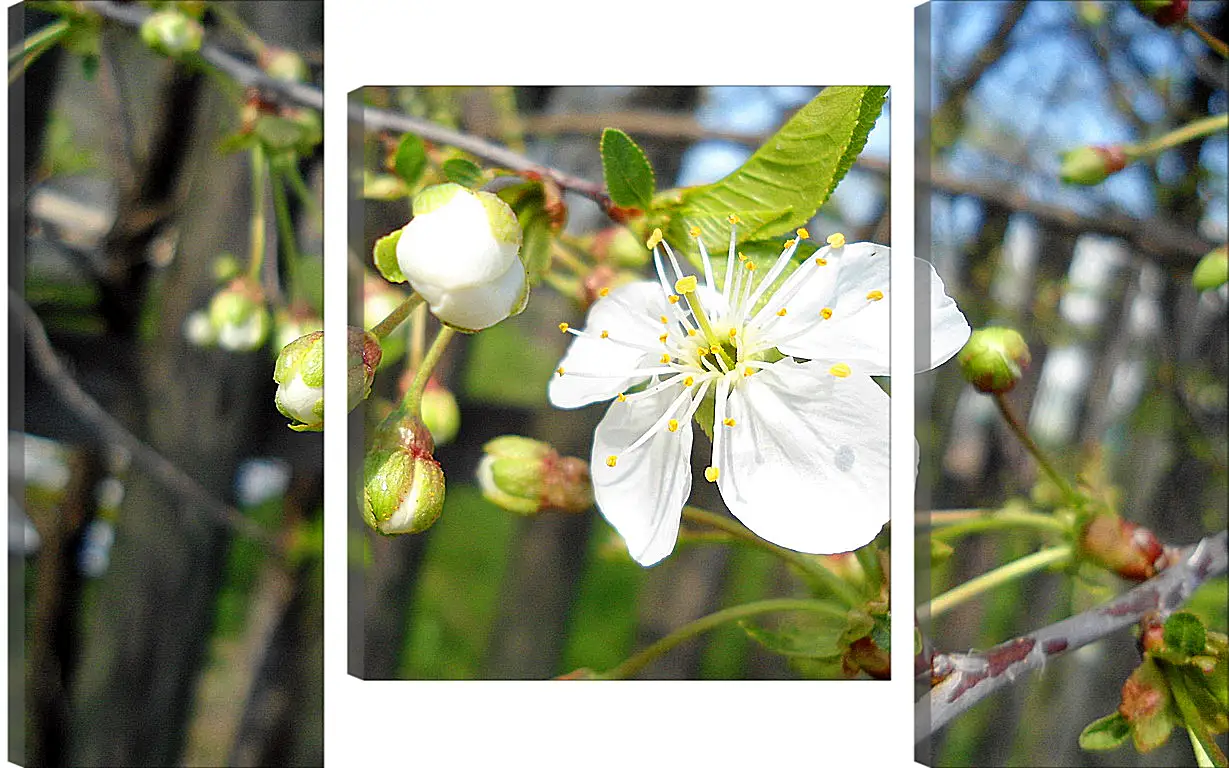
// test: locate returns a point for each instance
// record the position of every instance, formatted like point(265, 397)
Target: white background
point(767, 42)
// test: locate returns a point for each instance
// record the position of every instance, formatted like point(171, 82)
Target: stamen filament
point(729, 269)
point(719, 417)
point(661, 422)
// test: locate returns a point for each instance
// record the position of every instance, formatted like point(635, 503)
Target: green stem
point(998, 577)
point(304, 194)
point(939, 517)
point(413, 395)
point(569, 259)
point(418, 339)
point(22, 56)
point(639, 661)
point(397, 316)
point(257, 238)
point(1022, 434)
point(231, 20)
point(1202, 127)
point(1201, 756)
point(1208, 38)
point(839, 587)
point(1001, 521)
point(285, 231)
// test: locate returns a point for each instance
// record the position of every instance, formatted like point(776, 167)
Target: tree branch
point(110, 430)
point(967, 678)
point(246, 74)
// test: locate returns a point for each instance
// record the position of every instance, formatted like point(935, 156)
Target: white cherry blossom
point(779, 372)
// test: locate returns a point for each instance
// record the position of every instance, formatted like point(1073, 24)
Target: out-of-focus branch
point(967, 678)
point(663, 125)
point(996, 45)
point(244, 73)
point(110, 430)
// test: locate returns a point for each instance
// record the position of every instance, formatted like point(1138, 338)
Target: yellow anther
point(748, 371)
point(875, 295)
point(781, 312)
point(654, 239)
point(825, 313)
point(673, 298)
point(673, 425)
point(821, 262)
point(803, 233)
point(729, 422)
point(711, 474)
point(750, 266)
point(665, 359)
point(733, 332)
point(559, 370)
point(695, 231)
point(662, 338)
point(605, 334)
point(612, 460)
point(665, 320)
point(563, 327)
point(715, 350)
point(790, 244)
point(622, 398)
point(840, 370)
point(836, 240)
point(733, 218)
point(742, 256)
point(686, 284)
point(604, 292)
point(687, 382)
point(691, 331)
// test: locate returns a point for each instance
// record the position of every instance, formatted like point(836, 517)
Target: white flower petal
point(453, 246)
point(298, 400)
point(949, 330)
point(806, 464)
point(631, 313)
point(479, 306)
point(643, 494)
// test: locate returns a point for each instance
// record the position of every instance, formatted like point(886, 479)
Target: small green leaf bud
point(1212, 270)
point(994, 359)
point(281, 64)
point(239, 316)
point(1164, 12)
point(172, 33)
point(440, 412)
point(1129, 550)
point(403, 484)
point(363, 355)
point(299, 373)
point(225, 268)
point(527, 476)
point(1091, 165)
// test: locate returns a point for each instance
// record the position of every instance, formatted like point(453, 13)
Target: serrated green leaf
point(1185, 633)
point(384, 254)
point(786, 180)
point(1108, 732)
point(810, 641)
point(629, 177)
point(463, 172)
point(410, 160)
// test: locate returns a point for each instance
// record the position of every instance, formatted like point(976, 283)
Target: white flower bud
point(299, 374)
point(461, 253)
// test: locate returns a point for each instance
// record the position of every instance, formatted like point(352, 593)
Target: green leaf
point(385, 257)
point(785, 181)
point(410, 160)
point(463, 172)
point(1106, 733)
point(811, 641)
point(1184, 632)
point(629, 177)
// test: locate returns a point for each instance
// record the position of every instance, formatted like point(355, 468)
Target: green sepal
point(628, 174)
point(1105, 733)
point(384, 255)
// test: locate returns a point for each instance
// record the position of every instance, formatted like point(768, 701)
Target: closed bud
point(440, 412)
point(198, 330)
point(363, 355)
point(1212, 270)
point(403, 484)
point(527, 476)
point(299, 373)
point(461, 253)
point(1129, 550)
point(172, 33)
point(281, 64)
point(994, 359)
point(289, 324)
point(1164, 12)
point(1091, 165)
point(239, 317)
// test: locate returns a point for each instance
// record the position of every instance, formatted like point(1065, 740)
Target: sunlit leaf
point(410, 160)
point(463, 172)
point(629, 177)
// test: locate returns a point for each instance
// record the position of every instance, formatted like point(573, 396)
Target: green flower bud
point(299, 373)
point(994, 359)
point(239, 316)
point(403, 484)
point(1091, 165)
point(363, 355)
point(281, 64)
point(527, 476)
point(225, 268)
point(1212, 270)
point(1164, 12)
point(440, 412)
point(172, 33)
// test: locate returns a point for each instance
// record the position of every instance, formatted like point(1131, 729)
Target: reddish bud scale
point(618, 213)
point(1152, 633)
point(1129, 550)
point(1114, 156)
point(870, 658)
point(556, 209)
point(565, 483)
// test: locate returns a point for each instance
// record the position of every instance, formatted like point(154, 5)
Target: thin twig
point(245, 73)
point(110, 430)
point(967, 678)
